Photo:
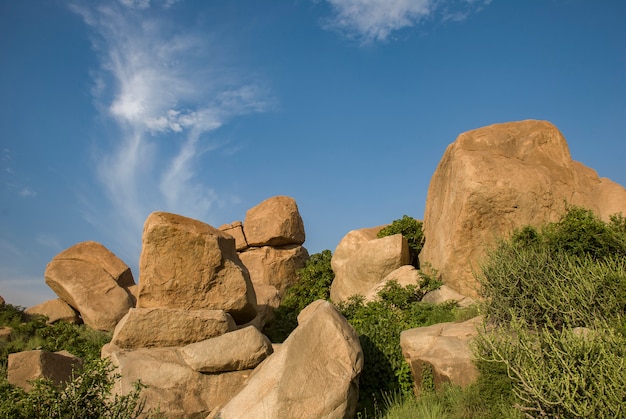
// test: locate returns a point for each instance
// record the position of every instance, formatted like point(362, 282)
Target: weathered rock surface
point(1, 301)
point(445, 348)
point(404, 275)
point(362, 261)
point(31, 365)
point(187, 264)
point(55, 310)
point(235, 229)
point(172, 386)
point(274, 222)
point(150, 327)
point(314, 374)
point(235, 351)
point(267, 300)
point(5, 333)
point(275, 266)
point(494, 179)
point(92, 280)
point(445, 293)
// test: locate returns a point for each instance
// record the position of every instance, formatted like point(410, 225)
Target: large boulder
point(55, 310)
point(235, 351)
point(495, 179)
point(445, 349)
point(275, 266)
point(150, 327)
point(404, 276)
point(444, 294)
point(173, 387)
point(314, 373)
point(274, 222)
point(235, 229)
point(187, 264)
point(362, 261)
point(24, 367)
point(94, 281)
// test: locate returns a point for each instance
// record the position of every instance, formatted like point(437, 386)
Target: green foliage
point(379, 324)
point(411, 229)
point(313, 283)
point(87, 395)
point(561, 372)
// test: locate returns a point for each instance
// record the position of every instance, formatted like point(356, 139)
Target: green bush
point(411, 229)
point(313, 283)
point(87, 395)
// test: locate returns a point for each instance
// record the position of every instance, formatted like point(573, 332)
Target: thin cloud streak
point(167, 90)
point(368, 21)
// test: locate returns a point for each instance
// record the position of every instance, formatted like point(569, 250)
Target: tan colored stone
point(445, 348)
point(267, 300)
point(275, 266)
point(5, 333)
point(173, 388)
point(313, 374)
point(1, 301)
point(274, 222)
point(92, 280)
point(366, 264)
point(55, 310)
point(235, 230)
point(133, 291)
point(24, 367)
point(495, 179)
point(187, 264)
point(242, 349)
point(149, 327)
point(404, 275)
point(444, 294)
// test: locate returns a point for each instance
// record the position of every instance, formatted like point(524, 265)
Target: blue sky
point(110, 110)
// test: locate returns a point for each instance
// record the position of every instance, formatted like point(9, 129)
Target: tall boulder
point(362, 261)
point(274, 222)
point(495, 179)
point(187, 264)
point(314, 374)
point(94, 281)
point(24, 367)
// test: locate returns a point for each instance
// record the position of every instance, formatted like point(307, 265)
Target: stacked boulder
point(269, 243)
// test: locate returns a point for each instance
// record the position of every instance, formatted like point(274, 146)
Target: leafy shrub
point(87, 395)
point(411, 229)
point(313, 283)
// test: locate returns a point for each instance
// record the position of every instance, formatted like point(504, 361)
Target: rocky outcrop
point(274, 266)
point(314, 374)
point(235, 229)
point(187, 264)
point(92, 280)
point(55, 310)
point(26, 366)
point(274, 222)
point(444, 294)
point(150, 327)
point(173, 387)
point(240, 350)
point(361, 262)
point(443, 348)
point(498, 178)
point(404, 276)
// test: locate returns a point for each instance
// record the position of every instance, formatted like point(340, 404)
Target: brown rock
point(173, 388)
point(1, 301)
point(313, 374)
point(274, 222)
point(242, 349)
point(361, 265)
point(275, 266)
point(5, 333)
point(235, 230)
point(149, 327)
point(55, 310)
point(92, 280)
point(404, 275)
point(187, 264)
point(495, 179)
point(445, 349)
point(267, 300)
point(444, 294)
point(27, 366)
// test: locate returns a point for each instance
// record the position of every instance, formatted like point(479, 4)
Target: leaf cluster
point(411, 229)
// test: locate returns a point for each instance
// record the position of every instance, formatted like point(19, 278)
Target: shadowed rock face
point(187, 264)
point(498, 178)
point(93, 281)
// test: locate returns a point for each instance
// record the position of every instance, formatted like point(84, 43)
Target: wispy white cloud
point(49, 240)
point(376, 20)
point(27, 192)
point(167, 88)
